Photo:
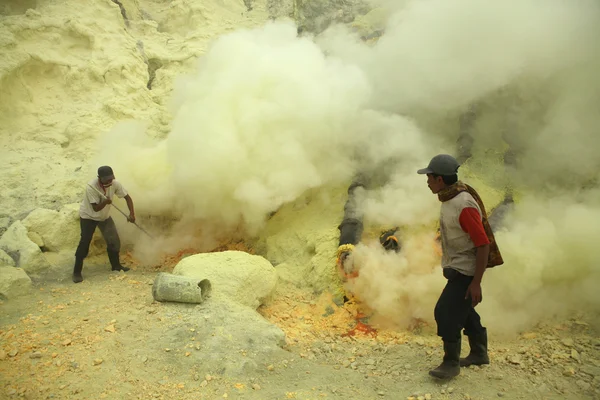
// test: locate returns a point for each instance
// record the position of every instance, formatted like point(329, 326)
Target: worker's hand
point(107, 201)
point(474, 292)
point(131, 218)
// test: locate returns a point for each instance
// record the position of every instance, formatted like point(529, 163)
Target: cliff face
point(71, 70)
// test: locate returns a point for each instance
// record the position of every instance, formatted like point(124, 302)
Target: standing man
point(95, 212)
point(468, 248)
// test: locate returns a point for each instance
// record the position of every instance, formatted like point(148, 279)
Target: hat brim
point(425, 171)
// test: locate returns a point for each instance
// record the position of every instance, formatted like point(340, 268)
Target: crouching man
point(468, 248)
point(94, 211)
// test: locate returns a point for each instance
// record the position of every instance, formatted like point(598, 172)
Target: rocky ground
point(107, 338)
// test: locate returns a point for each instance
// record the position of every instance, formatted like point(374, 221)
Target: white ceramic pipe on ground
point(180, 289)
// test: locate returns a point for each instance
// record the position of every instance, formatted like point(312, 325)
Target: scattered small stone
point(61, 387)
point(256, 386)
point(203, 383)
point(370, 361)
point(346, 363)
point(569, 371)
point(66, 342)
point(98, 361)
point(420, 398)
point(167, 350)
point(270, 367)
point(427, 396)
point(583, 385)
point(450, 390)
point(514, 359)
point(110, 328)
point(208, 378)
point(500, 394)
point(574, 354)
point(590, 370)
point(11, 391)
point(74, 365)
point(35, 354)
point(13, 352)
point(144, 359)
point(568, 342)
point(420, 341)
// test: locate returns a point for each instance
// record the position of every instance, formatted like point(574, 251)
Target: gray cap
point(442, 164)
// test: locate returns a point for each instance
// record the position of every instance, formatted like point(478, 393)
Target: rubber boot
point(113, 256)
point(479, 350)
point(450, 367)
point(77, 270)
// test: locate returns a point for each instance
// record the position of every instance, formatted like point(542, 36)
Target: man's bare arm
point(104, 203)
point(131, 209)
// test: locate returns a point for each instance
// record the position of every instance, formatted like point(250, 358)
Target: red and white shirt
point(461, 231)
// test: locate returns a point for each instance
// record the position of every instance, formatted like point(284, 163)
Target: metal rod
point(119, 210)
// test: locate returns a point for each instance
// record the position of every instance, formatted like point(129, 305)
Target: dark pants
point(108, 230)
point(453, 312)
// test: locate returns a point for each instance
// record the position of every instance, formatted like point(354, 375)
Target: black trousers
point(453, 312)
point(109, 233)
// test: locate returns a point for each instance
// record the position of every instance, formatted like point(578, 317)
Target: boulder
point(6, 260)
point(243, 277)
point(235, 340)
point(35, 238)
point(4, 224)
point(58, 230)
point(22, 250)
point(301, 240)
point(13, 282)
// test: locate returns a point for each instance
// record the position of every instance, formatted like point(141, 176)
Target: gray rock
point(236, 340)
point(583, 385)
point(14, 282)
point(27, 255)
point(5, 222)
point(591, 370)
point(6, 260)
point(567, 342)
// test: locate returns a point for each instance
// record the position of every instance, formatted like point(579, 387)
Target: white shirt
point(91, 196)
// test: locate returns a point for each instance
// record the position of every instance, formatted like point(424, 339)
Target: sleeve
point(92, 196)
point(119, 190)
point(470, 222)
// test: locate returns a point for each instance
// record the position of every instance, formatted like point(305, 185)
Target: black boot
point(113, 256)
point(77, 270)
point(450, 367)
point(479, 350)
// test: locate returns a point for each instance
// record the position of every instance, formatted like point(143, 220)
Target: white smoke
point(268, 115)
